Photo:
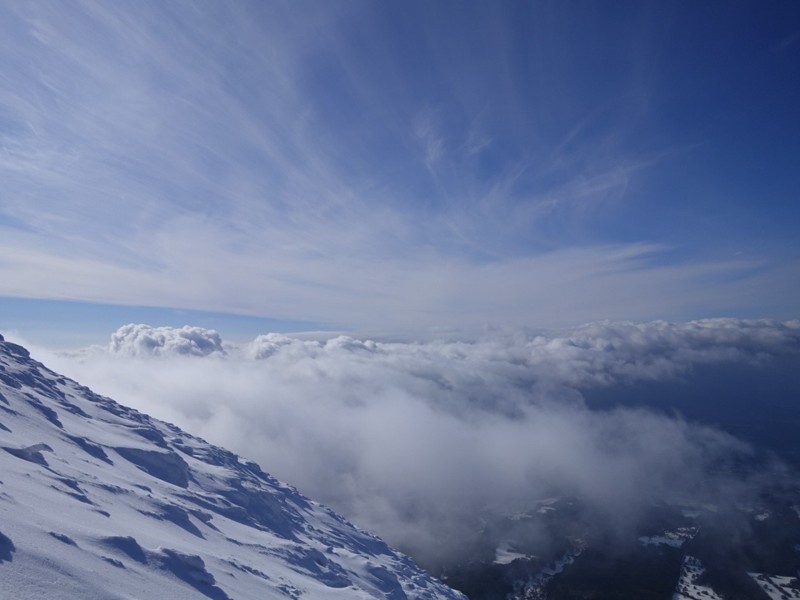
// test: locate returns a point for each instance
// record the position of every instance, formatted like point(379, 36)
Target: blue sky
point(397, 167)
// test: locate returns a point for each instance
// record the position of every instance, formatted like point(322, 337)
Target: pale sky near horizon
point(396, 166)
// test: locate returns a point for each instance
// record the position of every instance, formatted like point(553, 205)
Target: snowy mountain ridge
point(100, 501)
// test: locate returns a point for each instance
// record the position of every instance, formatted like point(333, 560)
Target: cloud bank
point(415, 439)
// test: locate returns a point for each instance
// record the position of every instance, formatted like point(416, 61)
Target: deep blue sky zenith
point(397, 166)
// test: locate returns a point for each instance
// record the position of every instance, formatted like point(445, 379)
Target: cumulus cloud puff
point(143, 340)
point(414, 439)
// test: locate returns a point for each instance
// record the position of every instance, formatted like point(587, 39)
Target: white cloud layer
point(413, 440)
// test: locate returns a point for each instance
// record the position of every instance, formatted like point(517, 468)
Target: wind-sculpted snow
point(101, 501)
point(414, 439)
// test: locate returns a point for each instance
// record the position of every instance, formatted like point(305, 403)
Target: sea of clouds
point(414, 439)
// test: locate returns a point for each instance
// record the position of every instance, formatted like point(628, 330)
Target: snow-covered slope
point(100, 501)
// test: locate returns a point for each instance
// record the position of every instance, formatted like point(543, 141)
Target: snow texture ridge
point(100, 501)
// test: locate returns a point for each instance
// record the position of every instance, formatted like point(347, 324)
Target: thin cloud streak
point(417, 294)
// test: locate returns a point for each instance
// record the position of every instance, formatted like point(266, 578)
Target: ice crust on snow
point(101, 501)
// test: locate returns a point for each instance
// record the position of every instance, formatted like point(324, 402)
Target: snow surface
point(99, 501)
point(778, 587)
point(688, 588)
point(534, 587)
point(676, 538)
point(505, 554)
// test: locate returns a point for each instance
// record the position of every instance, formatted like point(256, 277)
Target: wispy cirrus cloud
point(310, 162)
